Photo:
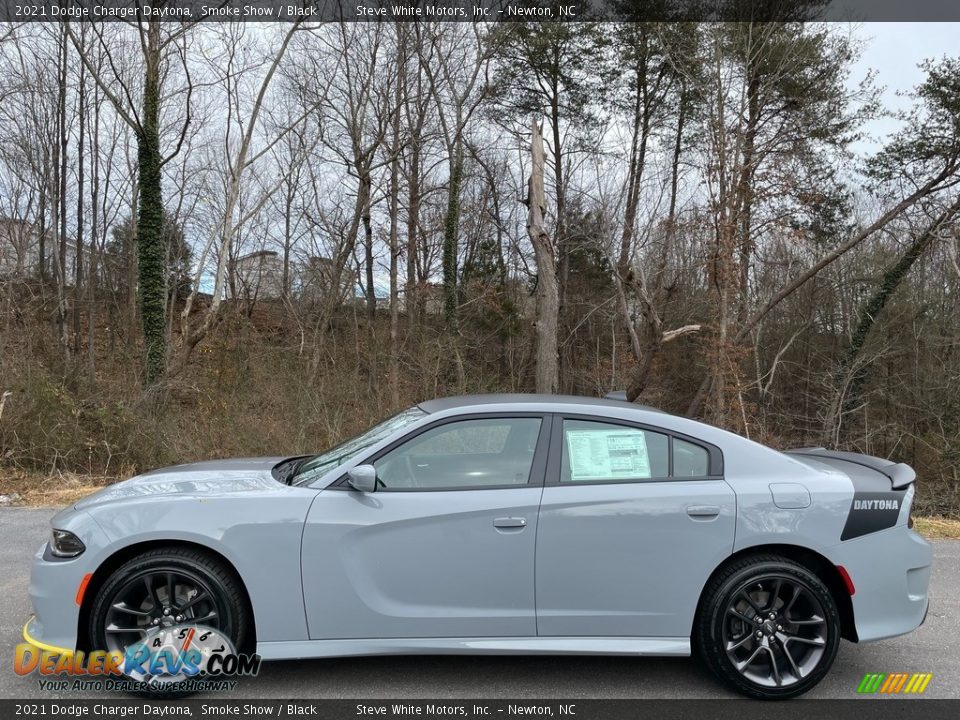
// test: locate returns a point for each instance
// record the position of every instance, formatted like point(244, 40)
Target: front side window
point(601, 452)
point(467, 453)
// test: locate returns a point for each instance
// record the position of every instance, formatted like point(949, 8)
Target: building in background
point(257, 276)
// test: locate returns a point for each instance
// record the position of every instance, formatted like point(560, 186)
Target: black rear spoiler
point(900, 474)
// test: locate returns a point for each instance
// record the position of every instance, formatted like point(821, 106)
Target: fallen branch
point(679, 332)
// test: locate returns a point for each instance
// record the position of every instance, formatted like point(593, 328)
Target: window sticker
point(607, 454)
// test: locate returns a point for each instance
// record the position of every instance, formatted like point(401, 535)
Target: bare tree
point(852, 375)
point(548, 300)
point(144, 118)
point(454, 58)
point(241, 159)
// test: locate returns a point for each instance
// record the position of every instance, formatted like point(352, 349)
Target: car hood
point(212, 478)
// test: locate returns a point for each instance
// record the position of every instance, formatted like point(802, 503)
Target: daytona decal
point(876, 504)
point(872, 511)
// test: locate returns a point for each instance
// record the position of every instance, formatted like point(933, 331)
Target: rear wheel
point(768, 627)
point(163, 589)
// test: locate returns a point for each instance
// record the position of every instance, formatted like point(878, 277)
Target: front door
point(443, 548)
point(632, 523)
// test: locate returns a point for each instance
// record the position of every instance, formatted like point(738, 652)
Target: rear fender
point(882, 490)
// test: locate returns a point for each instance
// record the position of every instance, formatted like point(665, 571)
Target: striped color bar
point(894, 683)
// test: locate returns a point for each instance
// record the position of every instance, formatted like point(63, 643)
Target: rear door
point(632, 522)
point(444, 547)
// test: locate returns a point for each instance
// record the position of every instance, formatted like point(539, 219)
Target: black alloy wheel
point(768, 627)
point(165, 588)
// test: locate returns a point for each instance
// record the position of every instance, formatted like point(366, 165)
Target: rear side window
point(601, 452)
point(689, 460)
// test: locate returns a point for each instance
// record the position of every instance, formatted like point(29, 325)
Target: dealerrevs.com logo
point(180, 658)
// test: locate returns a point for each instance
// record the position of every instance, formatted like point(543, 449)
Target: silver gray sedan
point(503, 524)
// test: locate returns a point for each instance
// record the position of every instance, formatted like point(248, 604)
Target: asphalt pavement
point(934, 648)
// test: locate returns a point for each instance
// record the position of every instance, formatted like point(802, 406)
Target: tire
point(207, 590)
point(770, 658)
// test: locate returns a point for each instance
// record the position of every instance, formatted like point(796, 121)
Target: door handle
point(702, 510)
point(510, 522)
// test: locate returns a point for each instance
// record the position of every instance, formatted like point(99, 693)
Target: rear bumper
point(890, 570)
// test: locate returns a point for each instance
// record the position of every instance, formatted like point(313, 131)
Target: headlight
point(65, 544)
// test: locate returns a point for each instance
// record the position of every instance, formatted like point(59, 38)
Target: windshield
point(315, 467)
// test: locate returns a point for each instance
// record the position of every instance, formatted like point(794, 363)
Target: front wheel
point(150, 596)
point(768, 627)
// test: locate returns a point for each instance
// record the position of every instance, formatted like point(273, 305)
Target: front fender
point(260, 537)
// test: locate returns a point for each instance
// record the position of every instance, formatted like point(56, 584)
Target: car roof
point(456, 401)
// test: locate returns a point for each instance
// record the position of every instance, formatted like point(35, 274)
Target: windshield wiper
point(286, 470)
point(326, 465)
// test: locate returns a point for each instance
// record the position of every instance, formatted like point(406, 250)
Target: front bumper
point(890, 570)
point(54, 585)
point(32, 630)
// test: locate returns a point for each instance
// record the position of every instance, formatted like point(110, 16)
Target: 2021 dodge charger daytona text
point(504, 524)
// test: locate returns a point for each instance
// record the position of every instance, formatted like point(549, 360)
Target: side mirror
point(363, 478)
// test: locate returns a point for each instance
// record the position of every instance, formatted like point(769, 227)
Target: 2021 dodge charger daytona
point(504, 524)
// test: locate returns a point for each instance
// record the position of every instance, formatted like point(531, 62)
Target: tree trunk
point(744, 214)
point(394, 362)
point(412, 300)
point(450, 236)
point(94, 229)
point(130, 255)
point(370, 290)
point(287, 242)
point(645, 352)
point(62, 331)
point(638, 156)
point(78, 262)
point(150, 246)
point(560, 240)
point(642, 374)
point(547, 294)
point(42, 229)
